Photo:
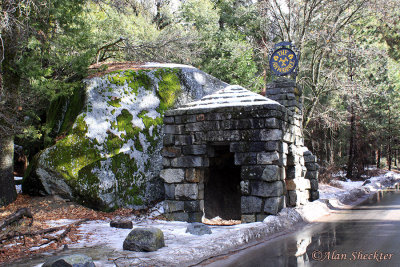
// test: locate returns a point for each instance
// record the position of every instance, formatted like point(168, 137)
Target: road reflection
point(367, 235)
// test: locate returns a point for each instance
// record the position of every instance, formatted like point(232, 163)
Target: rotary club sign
point(283, 61)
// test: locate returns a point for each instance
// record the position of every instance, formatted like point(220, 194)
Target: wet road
point(368, 235)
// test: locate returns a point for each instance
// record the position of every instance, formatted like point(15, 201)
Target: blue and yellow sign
point(283, 61)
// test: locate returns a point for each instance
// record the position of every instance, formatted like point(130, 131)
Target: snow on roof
point(232, 95)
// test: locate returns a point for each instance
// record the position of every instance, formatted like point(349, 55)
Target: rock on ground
point(123, 224)
point(75, 260)
point(198, 229)
point(144, 239)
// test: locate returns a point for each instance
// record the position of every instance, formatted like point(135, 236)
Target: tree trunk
point(378, 158)
point(350, 163)
point(11, 83)
point(332, 150)
point(389, 140)
point(7, 188)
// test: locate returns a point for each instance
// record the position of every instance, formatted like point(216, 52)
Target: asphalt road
point(368, 235)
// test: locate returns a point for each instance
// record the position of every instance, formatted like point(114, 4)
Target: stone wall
point(266, 139)
point(287, 93)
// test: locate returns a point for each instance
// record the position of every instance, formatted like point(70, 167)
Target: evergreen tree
point(41, 57)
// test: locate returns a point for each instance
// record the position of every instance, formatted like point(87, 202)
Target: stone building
point(237, 155)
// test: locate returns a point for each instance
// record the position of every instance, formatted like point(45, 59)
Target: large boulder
point(111, 156)
point(144, 240)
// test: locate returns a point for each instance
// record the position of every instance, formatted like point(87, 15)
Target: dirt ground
point(25, 242)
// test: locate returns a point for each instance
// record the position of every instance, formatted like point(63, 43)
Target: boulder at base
point(111, 156)
point(144, 240)
point(75, 260)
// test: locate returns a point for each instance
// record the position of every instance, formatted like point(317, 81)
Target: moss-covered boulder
point(144, 239)
point(111, 156)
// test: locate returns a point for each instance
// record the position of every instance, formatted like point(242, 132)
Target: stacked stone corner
point(266, 141)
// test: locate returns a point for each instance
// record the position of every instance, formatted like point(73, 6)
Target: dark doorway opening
point(222, 186)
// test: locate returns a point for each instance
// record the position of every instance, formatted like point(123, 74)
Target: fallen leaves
point(219, 221)
point(19, 239)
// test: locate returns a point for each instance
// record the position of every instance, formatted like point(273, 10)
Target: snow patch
point(18, 188)
point(182, 247)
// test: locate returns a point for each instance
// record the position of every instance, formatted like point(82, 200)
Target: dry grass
point(101, 69)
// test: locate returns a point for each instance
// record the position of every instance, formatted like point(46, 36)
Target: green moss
point(124, 121)
point(77, 102)
point(117, 79)
point(142, 113)
point(115, 102)
point(153, 138)
point(80, 127)
point(113, 144)
point(148, 121)
point(88, 191)
point(72, 153)
point(62, 113)
point(135, 79)
point(169, 88)
point(126, 175)
point(137, 144)
point(138, 80)
point(126, 172)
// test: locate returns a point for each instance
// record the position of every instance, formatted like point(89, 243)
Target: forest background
point(349, 67)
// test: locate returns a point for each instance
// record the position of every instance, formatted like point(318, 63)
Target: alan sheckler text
point(376, 256)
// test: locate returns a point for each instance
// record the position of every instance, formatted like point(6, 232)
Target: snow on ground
point(18, 187)
point(183, 248)
point(180, 246)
